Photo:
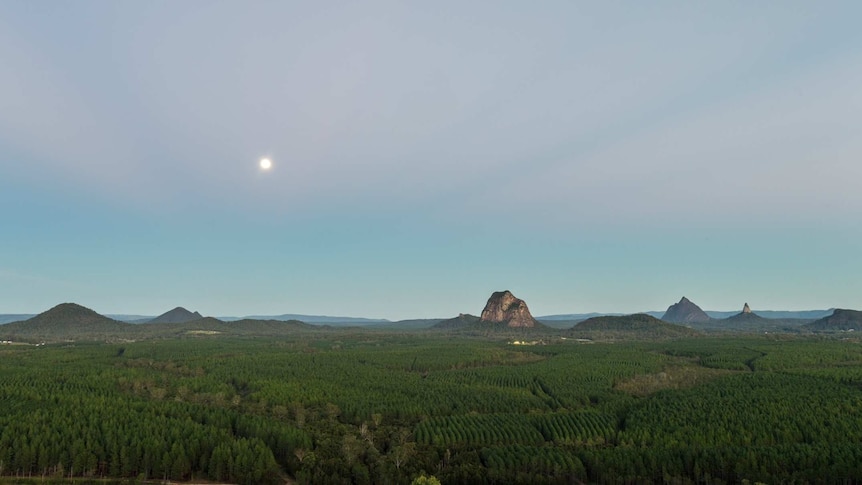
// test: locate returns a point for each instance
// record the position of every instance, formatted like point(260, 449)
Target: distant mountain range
point(773, 314)
point(557, 321)
point(15, 317)
point(503, 314)
point(779, 314)
point(314, 319)
point(570, 318)
point(72, 322)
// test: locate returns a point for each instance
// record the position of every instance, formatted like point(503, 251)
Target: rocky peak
point(746, 309)
point(684, 312)
point(504, 307)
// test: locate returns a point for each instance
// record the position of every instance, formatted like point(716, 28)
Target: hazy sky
point(601, 156)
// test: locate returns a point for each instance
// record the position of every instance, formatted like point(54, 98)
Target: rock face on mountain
point(503, 307)
point(840, 320)
point(177, 315)
point(685, 312)
point(746, 308)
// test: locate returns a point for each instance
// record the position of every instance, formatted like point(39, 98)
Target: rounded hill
point(65, 321)
point(639, 325)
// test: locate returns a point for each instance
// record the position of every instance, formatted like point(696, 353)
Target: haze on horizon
point(588, 157)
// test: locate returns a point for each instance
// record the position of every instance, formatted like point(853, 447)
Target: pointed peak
point(686, 311)
point(746, 308)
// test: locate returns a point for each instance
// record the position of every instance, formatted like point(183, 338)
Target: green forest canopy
point(372, 407)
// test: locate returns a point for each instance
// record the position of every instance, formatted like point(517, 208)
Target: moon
point(265, 164)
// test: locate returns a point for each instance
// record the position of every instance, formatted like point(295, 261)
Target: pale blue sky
point(603, 156)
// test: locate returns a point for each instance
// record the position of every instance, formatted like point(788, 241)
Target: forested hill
point(638, 325)
point(462, 321)
point(64, 321)
point(177, 315)
point(840, 320)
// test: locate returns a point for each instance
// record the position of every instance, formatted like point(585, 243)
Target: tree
point(423, 480)
point(400, 454)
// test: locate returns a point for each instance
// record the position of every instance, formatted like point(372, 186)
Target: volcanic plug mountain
point(685, 312)
point(504, 307)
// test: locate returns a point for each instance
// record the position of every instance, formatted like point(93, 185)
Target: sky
point(587, 156)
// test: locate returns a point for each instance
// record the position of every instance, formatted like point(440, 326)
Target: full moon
point(265, 163)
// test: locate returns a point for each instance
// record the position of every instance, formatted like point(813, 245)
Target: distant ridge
point(840, 320)
point(713, 314)
point(209, 326)
point(177, 315)
point(313, 319)
point(15, 317)
point(577, 316)
point(415, 324)
point(777, 314)
point(685, 312)
point(130, 318)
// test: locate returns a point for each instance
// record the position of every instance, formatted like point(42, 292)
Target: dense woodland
point(375, 407)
